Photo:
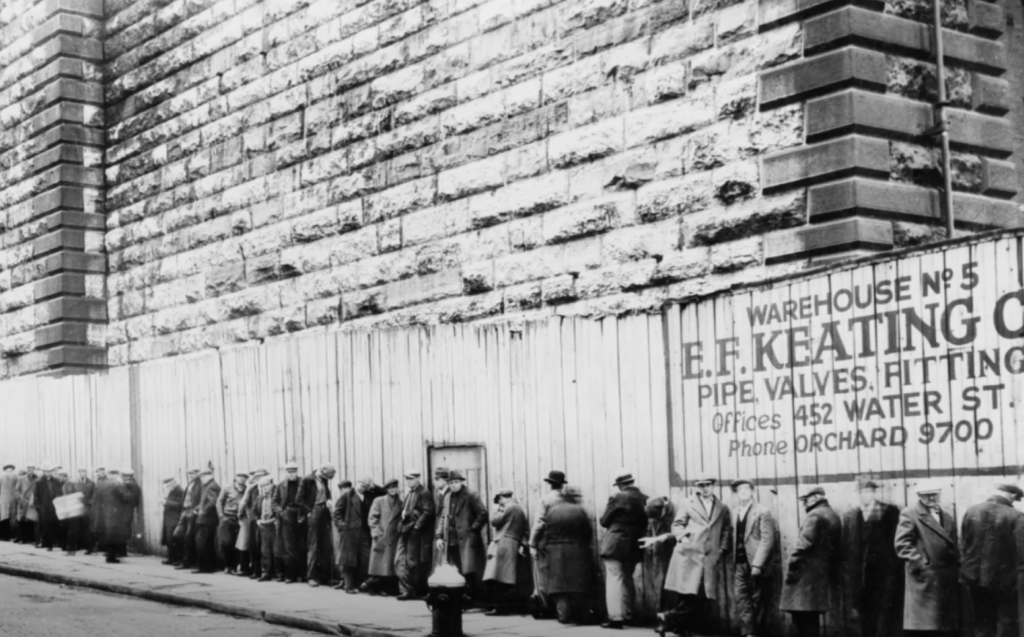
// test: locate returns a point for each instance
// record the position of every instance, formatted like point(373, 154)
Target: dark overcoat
point(193, 491)
point(351, 518)
point(384, 520)
point(932, 563)
point(702, 538)
point(872, 571)
point(207, 506)
point(464, 516)
point(88, 489)
point(26, 511)
point(565, 544)
point(416, 529)
point(625, 522)
point(123, 499)
point(992, 535)
point(172, 514)
point(510, 533)
point(46, 489)
point(812, 573)
point(661, 513)
point(101, 502)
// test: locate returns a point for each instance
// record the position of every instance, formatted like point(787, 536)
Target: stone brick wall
point(279, 165)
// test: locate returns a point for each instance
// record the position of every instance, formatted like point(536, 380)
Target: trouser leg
point(750, 600)
point(188, 549)
point(619, 590)
point(227, 535)
point(807, 624)
point(292, 557)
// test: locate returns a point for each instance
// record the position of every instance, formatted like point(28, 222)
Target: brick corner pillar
point(67, 165)
point(866, 85)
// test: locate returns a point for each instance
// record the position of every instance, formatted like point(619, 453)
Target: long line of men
point(898, 568)
point(102, 524)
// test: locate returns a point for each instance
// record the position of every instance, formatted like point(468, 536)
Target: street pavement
point(40, 609)
point(294, 606)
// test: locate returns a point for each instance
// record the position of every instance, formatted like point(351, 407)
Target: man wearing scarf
point(267, 518)
point(506, 569)
point(8, 498)
point(926, 542)
point(229, 504)
point(27, 515)
point(351, 518)
point(384, 520)
point(314, 498)
point(206, 524)
point(248, 543)
point(46, 489)
point(812, 572)
point(184, 536)
point(172, 502)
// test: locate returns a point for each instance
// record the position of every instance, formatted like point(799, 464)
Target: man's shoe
point(313, 583)
point(614, 624)
point(165, 562)
point(289, 580)
point(494, 612)
point(340, 586)
point(265, 578)
point(113, 560)
point(280, 578)
point(406, 597)
point(352, 591)
point(198, 571)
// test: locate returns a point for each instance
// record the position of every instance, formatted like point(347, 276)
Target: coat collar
point(750, 518)
point(927, 519)
point(698, 508)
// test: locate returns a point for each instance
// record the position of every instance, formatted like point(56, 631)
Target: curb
point(278, 619)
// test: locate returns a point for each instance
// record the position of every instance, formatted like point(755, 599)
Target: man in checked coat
point(702, 529)
point(926, 542)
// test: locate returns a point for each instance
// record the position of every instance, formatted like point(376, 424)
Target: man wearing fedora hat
point(872, 572)
point(992, 540)
point(812, 571)
point(463, 515)
point(556, 482)
point(505, 569)
point(625, 522)
point(926, 542)
point(416, 529)
point(702, 531)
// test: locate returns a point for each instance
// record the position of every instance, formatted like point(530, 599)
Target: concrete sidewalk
point(296, 605)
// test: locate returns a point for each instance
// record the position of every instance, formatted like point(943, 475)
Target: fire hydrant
point(444, 599)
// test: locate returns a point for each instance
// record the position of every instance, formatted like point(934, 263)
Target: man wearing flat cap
point(46, 489)
point(440, 491)
point(315, 499)
point(87, 487)
point(352, 519)
point(100, 500)
point(248, 542)
point(625, 522)
point(463, 516)
point(872, 572)
point(27, 514)
point(73, 526)
point(702, 530)
point(416, 530)
point(754, 543)
point(206, 524)
point(8, 500)
point(266, 510)
point(556, 482)
point(505, 570)
point(992, 544)
point(125, 497)
point(384, 520)
point(229, 504)
point(171, 503)
point(184, 536)
point(291, 525)
point(812, 572)
point(926, 542)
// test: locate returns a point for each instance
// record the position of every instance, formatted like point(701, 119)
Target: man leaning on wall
point(314, 498)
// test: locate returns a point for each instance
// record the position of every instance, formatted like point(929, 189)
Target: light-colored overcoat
point(385, 520)
point(702, 538)
point(932, 557)
point(8, 495)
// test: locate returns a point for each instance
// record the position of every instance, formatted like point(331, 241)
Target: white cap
point(929, 486)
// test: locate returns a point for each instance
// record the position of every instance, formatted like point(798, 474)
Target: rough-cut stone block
point(773, 13)
point(580, 220)
point(985, 18)
point(860, 111)
point(837, 236)
point(851, 155)
point(423, 289)
point(845, 67)
point(989, 94)
point(904, 202)
point(915, 38)
point(998, 178)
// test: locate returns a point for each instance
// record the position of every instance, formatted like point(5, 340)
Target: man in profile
point(416, 532)
point(171, 504)
point(185, 532)
point(625, 523)
point(812, 571)
point(314, 498)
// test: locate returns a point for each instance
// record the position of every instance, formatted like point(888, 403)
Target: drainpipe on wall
point(941, 127)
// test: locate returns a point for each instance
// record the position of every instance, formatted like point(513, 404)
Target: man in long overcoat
point(992, 536)
point(440, 491)
point(315, 498)
point(385, 519)
point(266, 509)
point(463, 517)
point(8, 499)
point(206, 524)
point(88, 489)
point(27, 515)
point(248, 543)
point(702, 530)
point(812, 573)
point(565, 542)
point(290, 525)
point(185, 532)
point(174, 497)
point(625, 522)
point(754, 546)
point(73, 526)
point(873, 573)
point(125, 496)
point(46, 489)
point(414, 553)
point(229, 506)
point(658, 547)
point(352, 519)
point(99, 502)
point(505, 570)
point(545, 607)
point(926, 541)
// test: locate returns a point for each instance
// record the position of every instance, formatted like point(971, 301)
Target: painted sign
point(911, 366)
